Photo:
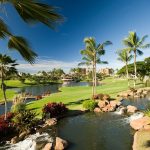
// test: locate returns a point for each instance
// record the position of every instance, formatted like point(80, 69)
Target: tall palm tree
point(7, 66)
point(91, 56)
point(125, 57)
point(135, 44)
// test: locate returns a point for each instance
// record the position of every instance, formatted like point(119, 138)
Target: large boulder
point(106, 97)
point(51, 122)
point(97, 110)
point(60, 144)
point(102, 104)
point(48, 146)
point(131, 109)
point(141, 140)
point(140, 123)
point(121, 110)
point(114, 103)
point(14, 140)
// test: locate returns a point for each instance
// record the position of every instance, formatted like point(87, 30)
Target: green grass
point(73, 97)
point(10, 93)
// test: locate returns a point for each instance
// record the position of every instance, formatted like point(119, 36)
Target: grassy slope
point(74, 96)
point(12, 84)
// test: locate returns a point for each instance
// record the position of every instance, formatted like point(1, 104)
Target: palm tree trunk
point(95, 76)
point(4, 92)
point(135, 70)
point(127, 73)
point(93, 81)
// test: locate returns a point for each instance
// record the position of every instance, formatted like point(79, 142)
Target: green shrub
point(89, 104)
point(17, 108)
point(25, 121)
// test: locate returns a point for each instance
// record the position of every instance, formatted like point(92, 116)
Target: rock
point(121, 110)
point(124, 94)
point(141, 140)
point(14, 140)
point(139, 91)
point(102, 104)
point(131, 109)
point(97, 110)
point(22, 135)
point(48, 146)
point(113, 103)
point(140, 123)
point(106, 97)
point(119, 103)
point(51, 122)
point(104, 109)
point(100, 96)
point(60, 144)
point(147, 127)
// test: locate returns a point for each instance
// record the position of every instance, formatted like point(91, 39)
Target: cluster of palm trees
point(133, 47)
point(93, 52)
point(32, 12)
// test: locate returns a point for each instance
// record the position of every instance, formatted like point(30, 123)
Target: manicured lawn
point(12, 84)
point(74, 96)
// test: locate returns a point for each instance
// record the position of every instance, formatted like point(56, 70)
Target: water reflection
point(96, 132)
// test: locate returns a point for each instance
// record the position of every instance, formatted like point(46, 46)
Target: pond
point(53, 88)
point(91, 131)
point(98, 131)
point(41, 89)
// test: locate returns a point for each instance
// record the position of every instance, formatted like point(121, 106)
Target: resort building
point(106, 71)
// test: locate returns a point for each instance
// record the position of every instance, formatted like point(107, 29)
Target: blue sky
point(102, 19)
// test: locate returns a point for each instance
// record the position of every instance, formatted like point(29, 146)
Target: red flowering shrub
point(54, 109)
point(6, 126)
point(10, 115)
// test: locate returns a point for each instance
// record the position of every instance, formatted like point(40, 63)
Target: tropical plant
point(25, 121)
point(6, 126)
point(19, 107)
point(91, 56)
point(125, 57)
point(6, 66)
point(135, 44)
point(89, 104)
point(54, 109)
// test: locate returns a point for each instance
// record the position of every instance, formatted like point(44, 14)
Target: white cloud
point(46, 65)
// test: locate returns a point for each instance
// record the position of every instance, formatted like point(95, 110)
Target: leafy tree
point(142, 69)
point(91, 56)
point(7, 65)
point(135, 44)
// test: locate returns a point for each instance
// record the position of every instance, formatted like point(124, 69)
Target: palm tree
point(124, 56)
point(135, 44)
point(91, 56)
point(7, 66)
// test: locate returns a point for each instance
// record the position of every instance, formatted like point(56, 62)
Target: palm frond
point(33, 11)
point(4, 31)
point(139, 52)
point(141, 42)
point(22, 46)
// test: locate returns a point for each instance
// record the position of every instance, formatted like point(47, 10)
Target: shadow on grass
point(76, 102)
